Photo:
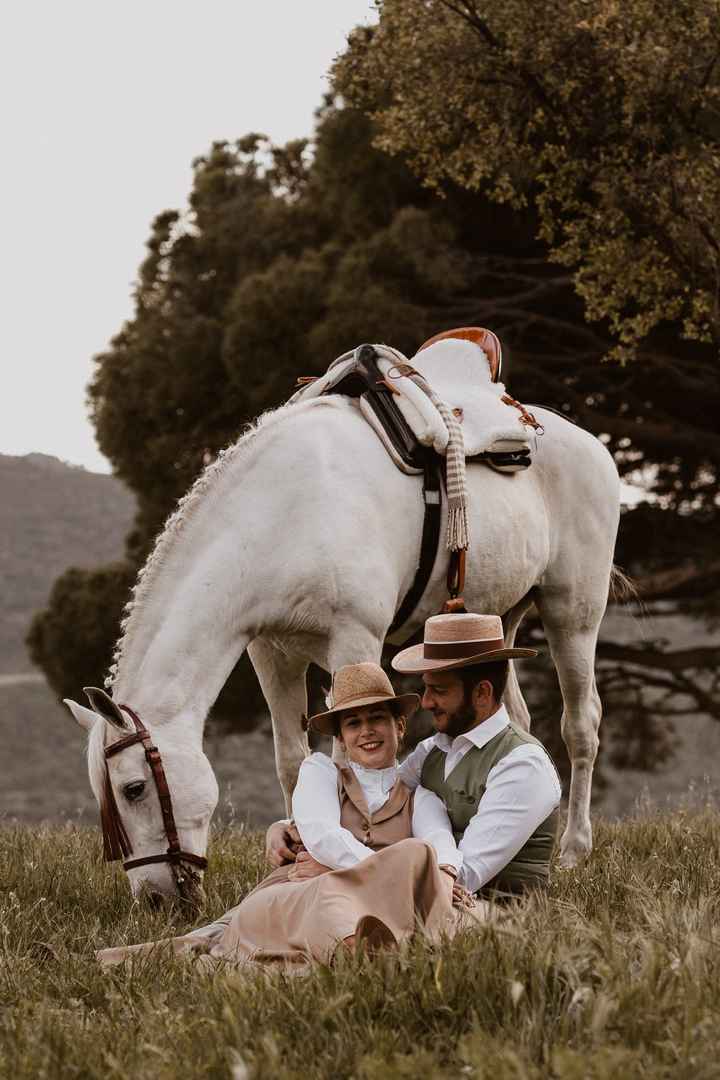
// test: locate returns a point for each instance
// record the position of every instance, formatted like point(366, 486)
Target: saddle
point(412, 408)
point(399, 401)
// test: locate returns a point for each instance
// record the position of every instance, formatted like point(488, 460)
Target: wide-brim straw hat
point(457, 641)
point(356, 685)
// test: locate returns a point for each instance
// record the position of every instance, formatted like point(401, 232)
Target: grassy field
point(616, 974)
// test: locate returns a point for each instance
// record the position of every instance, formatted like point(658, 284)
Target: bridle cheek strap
point(116, 844)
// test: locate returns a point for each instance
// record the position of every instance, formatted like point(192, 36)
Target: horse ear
point(84, 717)
point(104, 705)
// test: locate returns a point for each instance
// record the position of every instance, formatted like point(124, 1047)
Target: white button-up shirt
point(521, 791)
point(316, 810)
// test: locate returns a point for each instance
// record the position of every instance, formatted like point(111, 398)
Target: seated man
point(498, 782)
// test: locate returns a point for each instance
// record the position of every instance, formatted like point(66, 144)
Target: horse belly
point(509, 539)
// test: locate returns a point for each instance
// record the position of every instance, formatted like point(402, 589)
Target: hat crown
point(358, 681)
point(440, 629)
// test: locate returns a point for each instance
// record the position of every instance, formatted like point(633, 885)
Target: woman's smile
point(373, 744)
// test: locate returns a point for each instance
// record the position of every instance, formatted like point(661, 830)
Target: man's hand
point(282, 843)
point(306, 867)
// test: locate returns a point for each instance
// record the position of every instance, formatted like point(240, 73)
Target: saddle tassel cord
point(458, 531)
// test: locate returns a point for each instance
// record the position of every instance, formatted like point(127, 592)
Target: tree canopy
point(602, 115)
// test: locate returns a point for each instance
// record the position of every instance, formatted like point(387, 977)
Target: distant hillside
point(54, 515)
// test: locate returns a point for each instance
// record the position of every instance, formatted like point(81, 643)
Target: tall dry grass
point(614, 974)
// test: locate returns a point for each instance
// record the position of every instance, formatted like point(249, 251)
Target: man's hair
point(495, 673)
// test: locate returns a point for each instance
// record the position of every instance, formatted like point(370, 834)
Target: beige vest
point(392, 822)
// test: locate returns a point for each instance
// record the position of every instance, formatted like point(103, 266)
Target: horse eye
point(134, 790)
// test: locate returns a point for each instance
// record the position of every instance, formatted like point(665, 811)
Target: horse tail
point(623, 589)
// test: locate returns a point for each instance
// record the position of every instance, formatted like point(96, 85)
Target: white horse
point(299, 544)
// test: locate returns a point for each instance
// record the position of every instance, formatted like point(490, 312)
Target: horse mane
point(208, 481)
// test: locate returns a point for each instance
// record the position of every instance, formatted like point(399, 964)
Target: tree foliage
point(604, 115)
point(72, 638)
point(287, 257)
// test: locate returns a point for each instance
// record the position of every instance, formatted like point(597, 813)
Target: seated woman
point(378, 861)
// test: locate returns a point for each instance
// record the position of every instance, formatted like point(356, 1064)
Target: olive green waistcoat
point(462, 792)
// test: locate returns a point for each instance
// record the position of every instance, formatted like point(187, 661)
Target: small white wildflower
point(580, 998)
point(238, 1068)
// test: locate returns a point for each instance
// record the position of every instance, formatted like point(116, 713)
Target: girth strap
point(432, 497)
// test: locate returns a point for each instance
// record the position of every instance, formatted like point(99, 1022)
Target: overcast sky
point(106, 103)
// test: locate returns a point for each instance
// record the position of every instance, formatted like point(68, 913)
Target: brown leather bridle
point(116, 843)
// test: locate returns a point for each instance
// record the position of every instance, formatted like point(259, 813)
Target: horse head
point(157, 793)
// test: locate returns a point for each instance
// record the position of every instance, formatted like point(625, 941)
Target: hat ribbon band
point(457, 650)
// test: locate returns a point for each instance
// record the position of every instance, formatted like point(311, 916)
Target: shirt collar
point(383, 778)
point(479, 736)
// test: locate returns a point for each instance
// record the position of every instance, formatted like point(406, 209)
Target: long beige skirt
point(290, 923)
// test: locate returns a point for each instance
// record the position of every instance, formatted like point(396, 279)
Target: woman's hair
point(495, 673)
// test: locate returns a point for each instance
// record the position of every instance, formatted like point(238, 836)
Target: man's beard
point(461, 720)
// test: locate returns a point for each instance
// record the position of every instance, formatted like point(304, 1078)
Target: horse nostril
point(156, 900)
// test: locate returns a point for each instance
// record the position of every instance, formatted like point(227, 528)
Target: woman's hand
point(282, 843)
point(461, 898)
point(306, 867)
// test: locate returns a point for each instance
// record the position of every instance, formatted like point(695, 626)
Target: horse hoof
point(573, 858)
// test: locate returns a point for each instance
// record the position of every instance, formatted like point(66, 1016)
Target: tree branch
point(678, 661)
point(666, 582)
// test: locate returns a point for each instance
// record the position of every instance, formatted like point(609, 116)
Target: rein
point(116, 843)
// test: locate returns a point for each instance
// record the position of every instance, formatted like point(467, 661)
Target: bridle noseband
point(116, 843)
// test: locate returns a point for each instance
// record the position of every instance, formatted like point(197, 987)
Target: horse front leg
point(282, 680)
point(573, 652)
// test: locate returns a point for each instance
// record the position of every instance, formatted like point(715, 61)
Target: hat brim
point(326, 722)
point(412, 660)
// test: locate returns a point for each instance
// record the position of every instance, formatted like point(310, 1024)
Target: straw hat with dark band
point(356, 685)
point(456, 641)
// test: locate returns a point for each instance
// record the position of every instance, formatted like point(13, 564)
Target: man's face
point(444, 697)
point(455, 711)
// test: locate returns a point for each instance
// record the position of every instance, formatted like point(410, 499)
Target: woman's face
point(370, 735)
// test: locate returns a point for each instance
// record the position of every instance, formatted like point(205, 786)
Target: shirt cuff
point(445, 849)
point(470, 879)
